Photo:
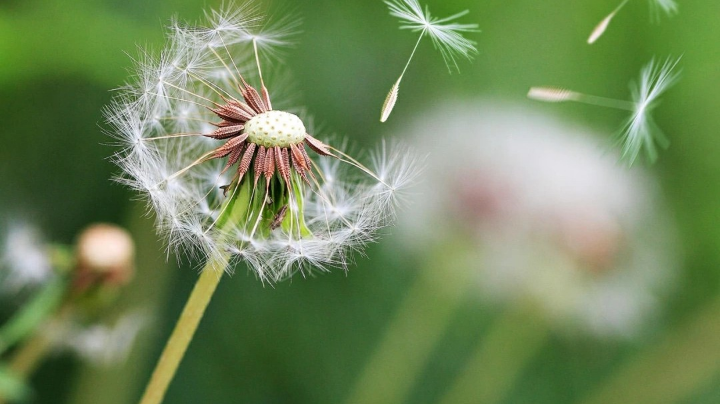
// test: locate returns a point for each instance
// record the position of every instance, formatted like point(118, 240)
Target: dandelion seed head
point(228, 175)
point(551, 219)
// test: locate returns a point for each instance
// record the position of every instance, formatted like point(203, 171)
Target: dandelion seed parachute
point(220, 158)
point(445, 35)
point(640, 131)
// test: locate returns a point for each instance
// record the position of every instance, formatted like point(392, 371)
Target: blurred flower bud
point(105, 254)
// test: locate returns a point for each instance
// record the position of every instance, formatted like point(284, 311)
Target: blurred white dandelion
point(557, 224)
point(669, 7)
point(99, 344)
point(640, 132)
point(226, 172)
point(24, 258)
point(446, 37)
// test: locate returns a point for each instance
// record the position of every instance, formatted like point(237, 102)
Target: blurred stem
point(32, 314)
point(28, 357)
point(184, 330)
point(419, 323)
point(120, 383)
point(673, 369)
point(499, 358)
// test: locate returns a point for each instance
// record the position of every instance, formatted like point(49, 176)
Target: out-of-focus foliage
point(308, 340)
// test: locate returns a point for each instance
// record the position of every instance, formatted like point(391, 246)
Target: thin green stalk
point(12, 388)
point(418, 325)
point(499, 358)
point(29, 355)
point(32, 314)
point(672, 370)
point(184, 331)
point(235, 211)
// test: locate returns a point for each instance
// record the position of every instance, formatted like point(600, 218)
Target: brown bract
point(239, 150)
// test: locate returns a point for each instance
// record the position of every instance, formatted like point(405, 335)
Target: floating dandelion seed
point(640, 130)
point(228, 174)
point(446, 37)
point(669, 7)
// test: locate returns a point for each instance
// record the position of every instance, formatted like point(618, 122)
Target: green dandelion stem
point(499, 358)
point(235, 211)
point(671, 371)
point(12, 388)
point(183, 333)
point(26, 321)
point(418, 325)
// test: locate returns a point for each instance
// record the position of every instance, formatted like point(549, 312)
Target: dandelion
point(24, 259)
point(233, 174)
point(446, 37)
point(100, 344)
point(669, 7)
point(640, 131)
point(550, 231)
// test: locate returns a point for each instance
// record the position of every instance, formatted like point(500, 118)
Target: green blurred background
point(307, 340)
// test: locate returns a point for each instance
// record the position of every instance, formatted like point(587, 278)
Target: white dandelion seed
point(229, 176)
point(669, 7)
point(446, 37)
point(640, 132)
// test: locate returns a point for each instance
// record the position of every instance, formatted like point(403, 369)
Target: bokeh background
point(307, 340)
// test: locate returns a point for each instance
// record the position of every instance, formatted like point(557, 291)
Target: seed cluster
point(275, 128)
point(274, 140)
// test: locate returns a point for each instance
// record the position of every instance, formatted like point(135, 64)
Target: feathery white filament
point(445, 35)
point(159, 121)
point(640, 131)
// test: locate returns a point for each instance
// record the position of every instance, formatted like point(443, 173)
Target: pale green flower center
point(275, 129)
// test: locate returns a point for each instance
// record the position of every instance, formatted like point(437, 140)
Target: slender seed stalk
point(391, 98)
point(607, 102)
point(183, 333)
point(554, 94)
point(499, 358)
